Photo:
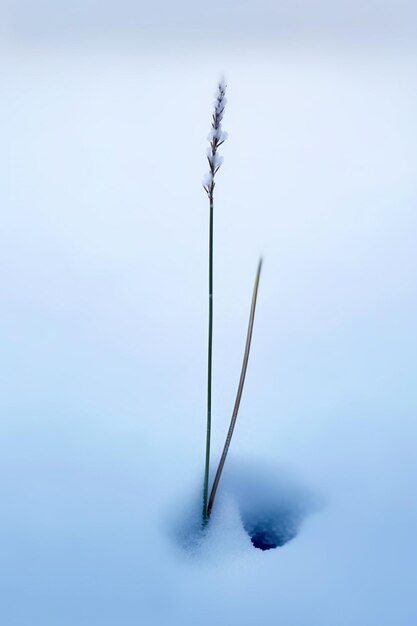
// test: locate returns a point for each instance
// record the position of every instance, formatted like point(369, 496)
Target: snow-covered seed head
point(216, 138)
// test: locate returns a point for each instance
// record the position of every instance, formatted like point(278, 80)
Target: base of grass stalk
point(259, 506)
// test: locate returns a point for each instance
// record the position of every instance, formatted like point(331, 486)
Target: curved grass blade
point(239, 390)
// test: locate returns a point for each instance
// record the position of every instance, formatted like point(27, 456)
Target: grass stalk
point(239, 392)
point(216, 138)
point(209, 365)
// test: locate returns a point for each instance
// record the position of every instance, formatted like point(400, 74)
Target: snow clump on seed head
point(216, 137)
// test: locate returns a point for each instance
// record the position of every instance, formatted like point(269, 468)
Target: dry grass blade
point(239, 391)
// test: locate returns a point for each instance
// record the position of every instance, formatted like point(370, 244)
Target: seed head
point(216, 138)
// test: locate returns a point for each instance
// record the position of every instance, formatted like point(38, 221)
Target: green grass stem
point(209, 367)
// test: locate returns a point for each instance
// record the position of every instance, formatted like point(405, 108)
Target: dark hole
point(274, 528)
point(267, 539)
point(272, 505)
point(262, 541)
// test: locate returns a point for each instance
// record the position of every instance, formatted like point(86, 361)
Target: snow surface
point(103, 306)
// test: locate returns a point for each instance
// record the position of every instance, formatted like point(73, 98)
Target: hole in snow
point(256, 501)
point(273, 527)
point(272, 505)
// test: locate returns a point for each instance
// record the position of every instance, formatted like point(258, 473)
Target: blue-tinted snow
point(103, 335)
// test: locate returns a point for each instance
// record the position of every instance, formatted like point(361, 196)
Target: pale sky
point(204, 22)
